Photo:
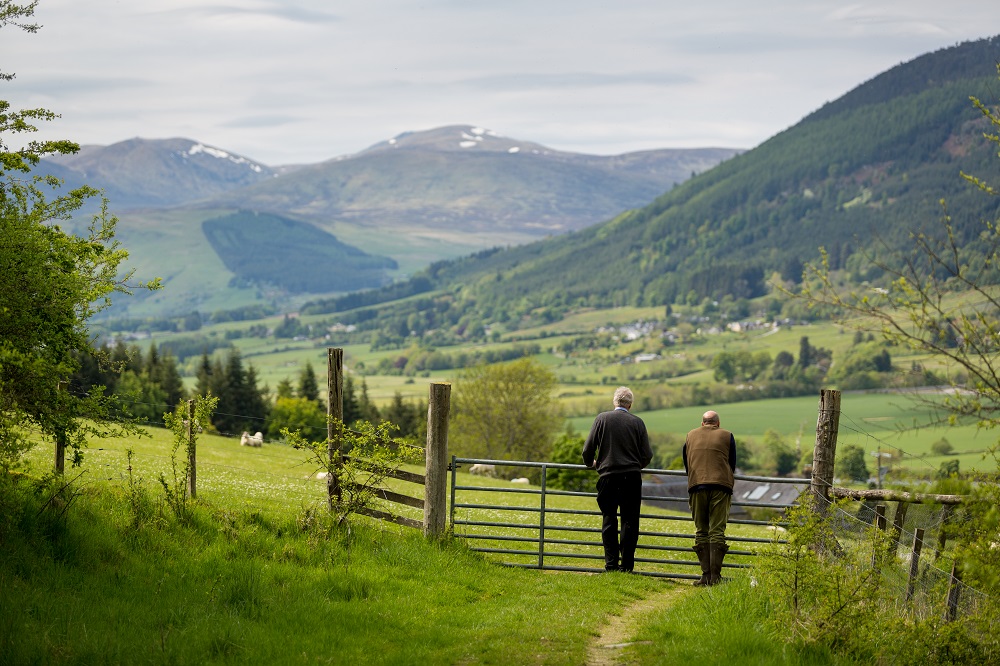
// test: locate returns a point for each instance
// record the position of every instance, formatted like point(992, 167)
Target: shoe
point(702, 550)
point(717, 553)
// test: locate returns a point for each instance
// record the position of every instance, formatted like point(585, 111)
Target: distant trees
point(242, 404)
point(742, 365)
point(851, 463)
point(506, 411)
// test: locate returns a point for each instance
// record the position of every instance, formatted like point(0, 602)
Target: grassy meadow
point(106, 573)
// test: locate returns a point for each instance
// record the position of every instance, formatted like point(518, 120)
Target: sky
point(302, 81)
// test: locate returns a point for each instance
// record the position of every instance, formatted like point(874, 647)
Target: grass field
point(255, 575)
point(872, 421)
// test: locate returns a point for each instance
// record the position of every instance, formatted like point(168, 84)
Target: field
point(254, 576)
point(874, 421)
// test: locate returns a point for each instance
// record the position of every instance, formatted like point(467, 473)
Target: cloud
point(261, 121)
point(280, 11)
point(522, 81)
point(303, 80)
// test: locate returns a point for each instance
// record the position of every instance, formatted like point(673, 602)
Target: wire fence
point(918, 575)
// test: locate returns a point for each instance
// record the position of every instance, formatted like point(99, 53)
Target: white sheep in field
point(520, 480)
point(246, 439)
point(481, 469)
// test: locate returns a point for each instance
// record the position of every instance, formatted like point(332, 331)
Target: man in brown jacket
point(710, 462)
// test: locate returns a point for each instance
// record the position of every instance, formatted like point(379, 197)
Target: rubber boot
point(716, 553)
point(702, 550)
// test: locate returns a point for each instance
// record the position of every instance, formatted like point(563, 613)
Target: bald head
point(710, 418)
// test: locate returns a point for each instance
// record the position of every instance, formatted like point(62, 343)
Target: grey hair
point(623, 397)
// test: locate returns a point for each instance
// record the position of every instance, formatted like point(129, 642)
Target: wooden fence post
point(60, 456)
point(954, 591)
point(880, 524)
point(334, 418)
point(918, 544)
point(436, 473)
point(60, 450)
point(825, 451)
point(942, 538)
point(192, 454)
point(898, 518)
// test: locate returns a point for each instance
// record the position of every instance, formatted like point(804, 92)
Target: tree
point(506, 411)
point(242, 405)
point(942, 447)
point(297, 414)
point(851, 463)
point(308, 386)
point(567, 449)
point(52, 283)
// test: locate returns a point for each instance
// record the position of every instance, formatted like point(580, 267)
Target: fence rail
point(551, 520)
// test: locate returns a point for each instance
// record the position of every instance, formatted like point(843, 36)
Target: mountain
point(870, 167)
point(404, 203)
point(154, 173)
point(474, 180)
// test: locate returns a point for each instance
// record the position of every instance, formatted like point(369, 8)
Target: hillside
point(260, 249)
point(871, 165)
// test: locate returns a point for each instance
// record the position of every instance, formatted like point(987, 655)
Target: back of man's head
point(710, 418)
point(623, 397)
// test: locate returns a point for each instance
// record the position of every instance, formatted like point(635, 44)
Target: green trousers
point(710, 510)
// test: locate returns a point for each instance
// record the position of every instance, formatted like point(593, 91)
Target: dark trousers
point(620, 492)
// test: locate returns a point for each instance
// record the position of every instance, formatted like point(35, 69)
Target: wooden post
point(898, 519)
point(436, 473)
point(60, 455)
point(192, 454)
point(880, 524)
point(918, 544)
point(946, 511)
point(825, 451)
point(334, 418)
point(60, 451)
point(954, 591)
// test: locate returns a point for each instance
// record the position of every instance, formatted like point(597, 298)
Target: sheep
point(256, 440)
point(520, 480)
point(481, 469)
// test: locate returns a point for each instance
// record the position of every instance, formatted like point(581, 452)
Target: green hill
point(871, 166)
point(262, 249)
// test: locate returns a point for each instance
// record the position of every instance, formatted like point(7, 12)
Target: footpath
point(618, 632)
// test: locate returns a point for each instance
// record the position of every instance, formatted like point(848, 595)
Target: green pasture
point(254, 576)
point(874, 421)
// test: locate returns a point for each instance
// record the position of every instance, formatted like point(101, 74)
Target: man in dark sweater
point(618, 447)
point(710, 462)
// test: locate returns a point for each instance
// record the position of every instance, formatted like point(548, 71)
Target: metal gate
point(559, 533)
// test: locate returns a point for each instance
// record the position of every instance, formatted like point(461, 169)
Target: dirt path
point(606, 649)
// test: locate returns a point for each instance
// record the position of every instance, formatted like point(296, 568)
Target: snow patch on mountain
point(222, 155)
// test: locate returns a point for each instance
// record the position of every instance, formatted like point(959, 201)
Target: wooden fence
point(435, 476)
